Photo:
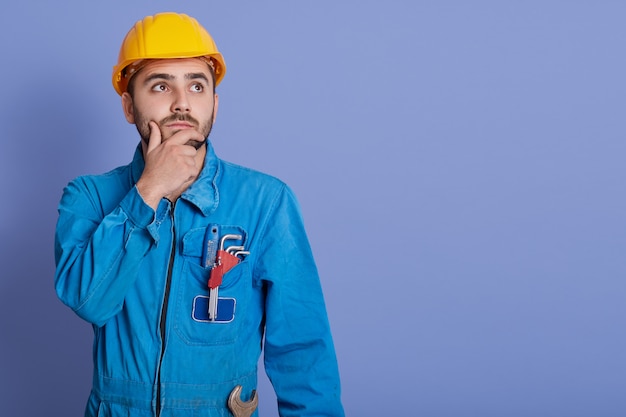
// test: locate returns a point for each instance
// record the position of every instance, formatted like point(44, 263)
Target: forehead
point(176, 68)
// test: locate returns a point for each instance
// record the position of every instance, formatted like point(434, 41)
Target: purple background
point(460, 167)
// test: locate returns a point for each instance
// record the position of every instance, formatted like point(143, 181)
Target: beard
point(142, 125)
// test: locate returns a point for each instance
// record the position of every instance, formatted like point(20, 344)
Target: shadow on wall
point(45, 353)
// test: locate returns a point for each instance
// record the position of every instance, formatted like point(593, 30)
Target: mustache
point(179, 118)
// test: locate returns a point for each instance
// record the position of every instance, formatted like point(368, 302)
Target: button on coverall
point(136, 274)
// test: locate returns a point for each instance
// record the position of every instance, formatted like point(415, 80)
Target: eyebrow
point(169, 77)
point(158, 76)
point(197, 76)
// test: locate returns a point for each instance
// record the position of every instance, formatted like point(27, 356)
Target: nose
point(181, 103)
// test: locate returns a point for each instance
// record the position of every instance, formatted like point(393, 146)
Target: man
point(179, 323)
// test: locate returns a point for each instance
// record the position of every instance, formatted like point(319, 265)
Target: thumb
point(155, 137)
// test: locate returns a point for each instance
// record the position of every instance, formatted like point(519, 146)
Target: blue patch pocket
point(225, 309)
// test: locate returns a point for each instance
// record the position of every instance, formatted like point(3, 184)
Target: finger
point(155, 136)
point(185, 135)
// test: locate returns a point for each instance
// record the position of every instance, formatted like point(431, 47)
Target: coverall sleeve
point(98, 254)
point(299, 354)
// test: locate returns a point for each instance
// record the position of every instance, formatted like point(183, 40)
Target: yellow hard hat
point(162, 36)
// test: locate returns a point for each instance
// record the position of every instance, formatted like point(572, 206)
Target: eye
point(159, 87)
point(197, 88)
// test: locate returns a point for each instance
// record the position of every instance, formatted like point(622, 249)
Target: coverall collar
point(203, 192)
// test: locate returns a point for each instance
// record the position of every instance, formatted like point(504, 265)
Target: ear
point(127, 106)
point(215, 105)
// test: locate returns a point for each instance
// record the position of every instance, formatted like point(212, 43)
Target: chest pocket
point(192, 324)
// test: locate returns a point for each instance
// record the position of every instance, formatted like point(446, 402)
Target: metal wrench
point(237, 251)
point(233, 249)
point(242, 408)
point(214, 292)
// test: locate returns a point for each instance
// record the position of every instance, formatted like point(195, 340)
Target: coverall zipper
point(166, 297)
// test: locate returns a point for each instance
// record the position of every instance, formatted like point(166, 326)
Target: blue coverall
point(137, 275)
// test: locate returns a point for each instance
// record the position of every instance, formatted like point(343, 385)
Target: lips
point(179, 125)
